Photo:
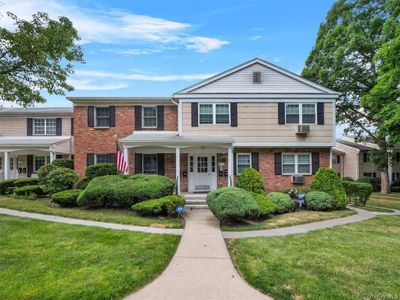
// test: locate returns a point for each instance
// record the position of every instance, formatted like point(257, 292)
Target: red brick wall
point(171, 118)
point(92, 140)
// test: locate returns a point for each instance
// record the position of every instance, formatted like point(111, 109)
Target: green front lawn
point(354, 261)
point(376, 209)
point(45, 260)
point(391, 200)
point(123, 216)
point(288, 219)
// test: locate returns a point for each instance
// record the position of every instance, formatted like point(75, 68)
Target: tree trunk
point(384, 182)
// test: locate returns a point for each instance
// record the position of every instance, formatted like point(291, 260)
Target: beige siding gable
point(241, 81)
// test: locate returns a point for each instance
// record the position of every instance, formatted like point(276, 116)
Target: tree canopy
point(357, 53)
point(37, 56)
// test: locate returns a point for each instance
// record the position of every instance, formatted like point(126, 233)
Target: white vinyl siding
point(296, 163)
point(214, 114)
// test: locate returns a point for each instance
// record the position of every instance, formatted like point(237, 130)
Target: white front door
point(202, 173)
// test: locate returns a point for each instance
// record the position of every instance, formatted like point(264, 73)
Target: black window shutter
point(281, 113)
point(72, 126)
point(90, 159)
point(161, 163)
point(29, 127)
point(160, 117)
point(365, 157)
point(195, 114)
point(90, 116)
point(234, 115)
point(320, 113)
point(138, 118)
point(111, 112)
point(234, 164)
point(138, 163)
point(315, 162)
point(113, 158)
point(255, 161)
point(29, 162)
point(278, 163)
point(58, 126)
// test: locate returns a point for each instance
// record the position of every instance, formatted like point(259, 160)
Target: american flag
point(122, 166)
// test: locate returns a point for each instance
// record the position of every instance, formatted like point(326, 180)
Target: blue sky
point(154, 48)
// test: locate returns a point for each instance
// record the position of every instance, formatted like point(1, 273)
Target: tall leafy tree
point(354, 54)
point(37, 56)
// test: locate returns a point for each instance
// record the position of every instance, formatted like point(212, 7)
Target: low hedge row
point(358, 192)
point(30, 190)
point(164, 206)
point(266, 205)
point(66, 198)
point(8, 186)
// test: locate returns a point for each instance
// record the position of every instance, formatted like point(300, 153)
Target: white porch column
point(52, 156)
point(178, 170)
point(126, 156)
point(6, 165)
point(230, 167)
point(330, 157)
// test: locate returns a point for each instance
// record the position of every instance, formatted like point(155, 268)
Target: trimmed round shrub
point(30, 191)
point(63, 163)
point(251, 180)
point(66, 198)
point(320, 201)
point(358, 192)
point(99, 192)
point(282, 201)
point(266, 205)
point(60, 179)
point(26, 181)
point(374, 181)
point(6, 185)
point(83, 183)
point(165, 206)
point(45, 170)
point(232, 203)
point(100, 170)
point(326, 180)
point(141, 187)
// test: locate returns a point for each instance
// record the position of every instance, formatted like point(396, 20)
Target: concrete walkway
point(58, 219)
point(360, 216)
point(201, 267)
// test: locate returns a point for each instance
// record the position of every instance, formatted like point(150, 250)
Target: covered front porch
point(21, 157)
point(196, 163)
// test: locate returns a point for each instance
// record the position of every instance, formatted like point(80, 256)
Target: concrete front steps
point(195, 201)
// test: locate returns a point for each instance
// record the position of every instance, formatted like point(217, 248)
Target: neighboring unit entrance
point(202, 173)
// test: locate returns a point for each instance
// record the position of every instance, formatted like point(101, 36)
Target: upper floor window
point(366, 156)
point(300, 113)
point(214, 113)
point(256, 77)
point(102, 117)
point(149, 116)
point(44, 126)
point(296, 163)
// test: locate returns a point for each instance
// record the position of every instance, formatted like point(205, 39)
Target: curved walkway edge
point(58, 219)
point(360, 216)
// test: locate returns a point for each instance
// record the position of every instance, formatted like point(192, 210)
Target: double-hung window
point(102, 117)
point(103, 158)
point(44, 126)
point(214, 113)
point(243, 161)
point(297, 113)
point(296, 163)
point(149, 116)
point(150, 164)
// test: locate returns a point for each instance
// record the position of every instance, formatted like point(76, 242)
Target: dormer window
point(257, 77)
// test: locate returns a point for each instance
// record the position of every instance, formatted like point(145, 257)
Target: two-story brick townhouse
point(253, 115)
point(32, 137)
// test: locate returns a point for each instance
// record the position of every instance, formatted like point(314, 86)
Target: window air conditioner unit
point(303, 129)
point(298, 179)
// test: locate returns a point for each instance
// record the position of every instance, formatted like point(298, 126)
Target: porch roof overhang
point(12, 143)
point(173, 140)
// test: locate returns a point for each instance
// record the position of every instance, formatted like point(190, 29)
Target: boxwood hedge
point(66, 198)
point(164, 206)
point(282, 201)
point(358, 192)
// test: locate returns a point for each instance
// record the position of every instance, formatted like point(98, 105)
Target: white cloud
point(115, 26)
point(87, 85)
point(256, 37)
point(141, 76)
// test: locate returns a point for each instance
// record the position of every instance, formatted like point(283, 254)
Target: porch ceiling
point(31, 142)
point(172, 139)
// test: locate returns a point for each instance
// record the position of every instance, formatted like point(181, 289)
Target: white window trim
point(214, 113)
point(95, 117)
point(143, 116)
point(143, 162)
point(296, 163)
point(301, 113)
point(45, 126)
point(237, 161)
